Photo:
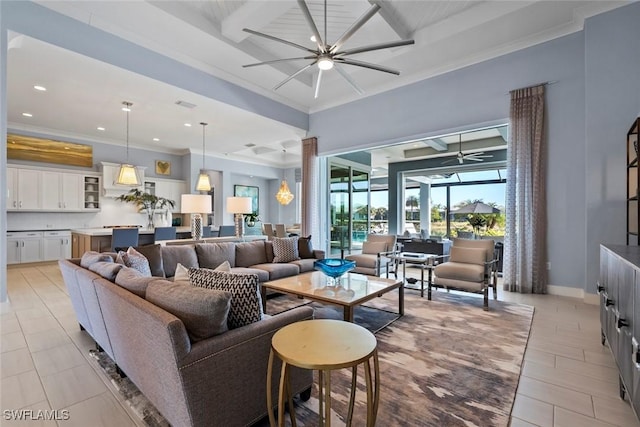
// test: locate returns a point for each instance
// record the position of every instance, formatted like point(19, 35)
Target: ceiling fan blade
point(305, 68)
point(278, 60)
point(474, 159)
point(312, 25)
point(354, 27)
point(348, 78)
point(318, 84)
point(378, 46)
point(277, 39)
point(367, 65)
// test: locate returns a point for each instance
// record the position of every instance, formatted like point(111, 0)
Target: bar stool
point(325, 345)
point(122, 238)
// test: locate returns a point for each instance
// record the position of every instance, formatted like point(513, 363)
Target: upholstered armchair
point(471, 267)
point(373, 260)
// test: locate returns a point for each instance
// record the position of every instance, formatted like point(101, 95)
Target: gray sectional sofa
point(217, 381)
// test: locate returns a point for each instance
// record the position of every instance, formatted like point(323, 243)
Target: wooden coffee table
point(354, 289)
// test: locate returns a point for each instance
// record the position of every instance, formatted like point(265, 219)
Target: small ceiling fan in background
point(460, 157)
point(328, 56)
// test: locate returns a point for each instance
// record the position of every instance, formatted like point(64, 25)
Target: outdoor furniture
point(373, 260)
point(471, 267)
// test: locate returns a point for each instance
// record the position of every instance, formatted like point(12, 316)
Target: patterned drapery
point(310, 221)
point(525, 237)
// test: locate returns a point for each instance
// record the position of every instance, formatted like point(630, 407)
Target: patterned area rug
point(446, 362)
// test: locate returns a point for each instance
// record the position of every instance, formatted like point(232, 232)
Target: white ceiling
point(83, 93)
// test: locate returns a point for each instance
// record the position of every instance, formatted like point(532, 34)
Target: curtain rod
point(550, 82)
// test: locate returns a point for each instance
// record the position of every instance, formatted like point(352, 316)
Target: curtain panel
point(525, 237)
point(310, 221)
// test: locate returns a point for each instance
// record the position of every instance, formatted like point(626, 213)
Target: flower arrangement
point(146, 202)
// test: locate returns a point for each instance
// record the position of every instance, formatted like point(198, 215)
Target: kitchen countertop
point(108, 231)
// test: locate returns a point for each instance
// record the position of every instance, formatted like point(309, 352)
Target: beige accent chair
point(280, 230)
point(267, 230)
point(471, 267)
point(373, 261)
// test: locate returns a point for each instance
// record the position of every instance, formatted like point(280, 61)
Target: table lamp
point(196, 204)
point(239, 206)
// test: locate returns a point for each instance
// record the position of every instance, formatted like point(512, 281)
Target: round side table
point(324, 345)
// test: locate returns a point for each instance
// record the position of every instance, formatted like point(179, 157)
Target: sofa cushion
point(203, 311)
point(305, 265)
point(90, 257)
point(224, 267)
point(459, 271)
point(246, 304)
point(134, 259)
point(305, 248)
point(279, 270)
point(263, 275)
point(153, 254)
point(133, 281)
point(285, 249)
point(468, 255)
point(373, 247)
point(174, 254)
point(365, 260)
point(211, 255)
point(250, 253)
point(107, 269)
point(182, 273)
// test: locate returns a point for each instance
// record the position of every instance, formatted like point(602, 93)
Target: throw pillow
point(224, 267)
point(135, 259)
point(106, 269)
point(90, 257)
point(182, 273)
point(133, 281)
point(305, 249)
point(285, 249)
point(153, 254)
point(246, 303)
point(203, 311)
point(373, 247)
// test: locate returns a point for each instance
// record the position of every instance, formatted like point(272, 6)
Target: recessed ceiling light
point(313, 39)
point(100, 128)
point(40, 88)
point(156, 139)
point(188, 125)
point(27, 114)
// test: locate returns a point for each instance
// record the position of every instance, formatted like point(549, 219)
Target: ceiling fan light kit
point(328, 56)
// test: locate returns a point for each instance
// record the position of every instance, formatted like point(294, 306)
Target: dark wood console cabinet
point(619, 290)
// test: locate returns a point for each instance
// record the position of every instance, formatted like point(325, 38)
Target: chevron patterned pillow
point(285, 249)
point(246, 303)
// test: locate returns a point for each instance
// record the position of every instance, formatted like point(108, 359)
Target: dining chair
point(227, 231)
point(122, 238)
point(280, 230)
point(207, 231)
point(267, 230)
point(164, 233)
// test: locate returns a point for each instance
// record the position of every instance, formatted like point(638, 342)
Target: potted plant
point(146, 202)
point(251, 218)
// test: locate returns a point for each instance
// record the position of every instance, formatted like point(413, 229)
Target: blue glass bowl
point(334, 267)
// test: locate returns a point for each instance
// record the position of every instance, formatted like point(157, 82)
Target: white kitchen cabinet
point(24, 246)
point(171, 189)
point(24, 189)
point(56, 245)
point(61, 191)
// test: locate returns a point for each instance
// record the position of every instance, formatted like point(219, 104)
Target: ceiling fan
point(460, 157)
point(327, 56)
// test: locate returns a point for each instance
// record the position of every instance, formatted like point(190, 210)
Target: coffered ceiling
point(83, 94)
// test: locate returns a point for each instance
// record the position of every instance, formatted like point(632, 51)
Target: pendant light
point(127, 175)
point(284, 195)
point(203, 184)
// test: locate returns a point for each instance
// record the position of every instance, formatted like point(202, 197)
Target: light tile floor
point(568, 378)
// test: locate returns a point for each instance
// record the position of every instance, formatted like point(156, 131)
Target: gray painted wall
point(612, 70)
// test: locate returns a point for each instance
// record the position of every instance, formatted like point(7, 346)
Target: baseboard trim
point(565, 291)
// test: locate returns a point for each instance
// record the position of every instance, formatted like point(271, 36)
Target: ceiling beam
point(254, 15)
point(392, 19)
point(437, 144)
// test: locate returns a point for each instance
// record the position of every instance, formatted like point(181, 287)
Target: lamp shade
point(239, 205)
point(195, 203)
point(127, 175)
point(203, 184)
